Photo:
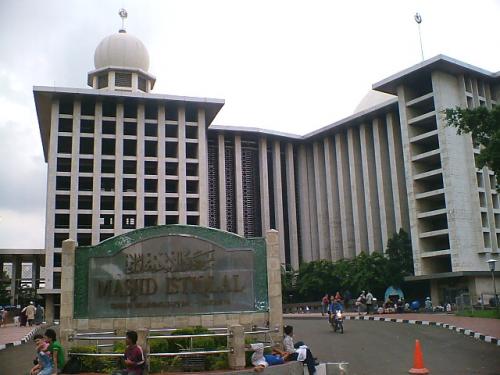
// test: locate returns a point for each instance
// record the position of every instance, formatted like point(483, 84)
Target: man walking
point(30, 311)
point(369, 302)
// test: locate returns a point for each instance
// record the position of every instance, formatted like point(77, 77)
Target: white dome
point(371, 99)
point(121, 49)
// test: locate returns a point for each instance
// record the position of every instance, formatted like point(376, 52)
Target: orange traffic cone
point(418, 361)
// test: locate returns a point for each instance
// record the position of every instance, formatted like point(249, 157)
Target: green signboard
point(171, 270)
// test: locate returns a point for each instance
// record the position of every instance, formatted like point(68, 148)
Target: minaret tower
point(121, 63)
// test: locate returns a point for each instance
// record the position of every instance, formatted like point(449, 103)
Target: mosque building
point(121, 157)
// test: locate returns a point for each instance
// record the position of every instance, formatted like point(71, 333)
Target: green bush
point(96, 364)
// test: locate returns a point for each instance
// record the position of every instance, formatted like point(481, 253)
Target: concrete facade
point(124, 159)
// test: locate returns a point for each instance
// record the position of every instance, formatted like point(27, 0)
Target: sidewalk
point(11, 335)
point(468, 326)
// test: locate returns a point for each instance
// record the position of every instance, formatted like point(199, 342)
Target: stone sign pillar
point(237, 343)
point(274, 283)
point(67, 290)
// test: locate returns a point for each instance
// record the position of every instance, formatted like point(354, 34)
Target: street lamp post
point(491, 264)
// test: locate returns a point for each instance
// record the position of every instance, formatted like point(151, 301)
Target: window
point(191, 132)
point(151, 167)
point(57, 279)
point(108, 146)
point(63, 183)
point(85, 202)
point(88, 106)
point(84, 239)
point(191, 169)
point(108, 127)
point(107, 166)
point(150, 204)
point(107, 203)
point(191, 187)
point(62, 202)
point(191, 114)
point(193, 220)
point(171, 169)
point(65, 125)
point(171, 204)
point(102, 81)
point(129, 185)
point(129, 147)
point(150, 148)
point(128, 222)
point(191, 150)
point(86, 165)
point(171, 219)
point(57, 259)
point(170, 149)
point(171, 113)
point(63, 164)
point(130, 109)
point(150, 186)
point(87, 126)
point(192, 204)
point(129, 167)
point(129, 203)
point(107, 184)
point(150, 220)
point(59, 238)
point(123, 79)
point(171, 186)
point(171, 131)
point(107, 221)
point(66, 106)
point(105, 236)
point(130, 128)
point(151, 111)
point(84, 221)
point(108, 108)
point(61, 221)
point(85, 183)
point(151, 130)
point(86, 146)
point(64, 145)
point(142, 84)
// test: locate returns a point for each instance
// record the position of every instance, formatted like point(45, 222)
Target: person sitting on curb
point(56, 351)
point(43, 362)
point(260, 360)
point(298, 351)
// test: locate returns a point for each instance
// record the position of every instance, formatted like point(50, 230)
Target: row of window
point(66, 107)
point(64, 146)
point(108, 204)
point(129, 185)
point(129, 167)
point(128, 222)
point(129, 128)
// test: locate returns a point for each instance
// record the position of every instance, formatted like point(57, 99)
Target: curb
point(463, 331)
point(25, 339)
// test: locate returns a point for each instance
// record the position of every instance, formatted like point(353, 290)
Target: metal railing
point(97, 336)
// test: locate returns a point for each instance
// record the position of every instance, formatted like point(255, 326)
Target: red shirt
point(135, 354)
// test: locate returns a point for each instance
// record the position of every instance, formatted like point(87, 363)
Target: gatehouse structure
point(121, 158)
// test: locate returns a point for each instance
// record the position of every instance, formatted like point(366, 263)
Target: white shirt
point(258, 355)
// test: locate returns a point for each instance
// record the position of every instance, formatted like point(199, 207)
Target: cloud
point(20, 230)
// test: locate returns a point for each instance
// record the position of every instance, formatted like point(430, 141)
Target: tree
point(399, 252)
point(316, 278)
point(484, 127)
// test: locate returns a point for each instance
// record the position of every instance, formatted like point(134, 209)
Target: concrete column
point(15, 281)
point(332, 197)
point(304, 221)
point(278, 198)
point(237, 343)
point(382, 165)
point(292, 207)
point(357, 191)
point(321, 201)
point(49, 309)
point(313, 211)
point(344, 185)
point(161, 164)
point(240, 229)
point(75, 152)
point(51, 195)
point(222, 182)
point(399, 195)
point(96, 174)
point(140, 166)
point(142, 339)
point(119, 169)
point(182, 165)
point(264, 185)
point(67, 285)
point(274, 283)
point(35, 271)
point(370, 187)
point(203, 168)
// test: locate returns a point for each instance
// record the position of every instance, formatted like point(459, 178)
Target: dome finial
point(123, 14)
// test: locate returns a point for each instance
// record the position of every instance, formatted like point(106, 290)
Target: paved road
point(387, 348)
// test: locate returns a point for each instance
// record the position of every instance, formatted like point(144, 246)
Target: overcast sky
point(287, 65)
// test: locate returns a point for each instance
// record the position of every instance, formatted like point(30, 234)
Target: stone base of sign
point(237, 322)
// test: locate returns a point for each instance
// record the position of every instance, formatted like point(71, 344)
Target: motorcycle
point(337, 321)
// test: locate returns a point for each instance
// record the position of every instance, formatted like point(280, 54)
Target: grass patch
point(492, 314)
